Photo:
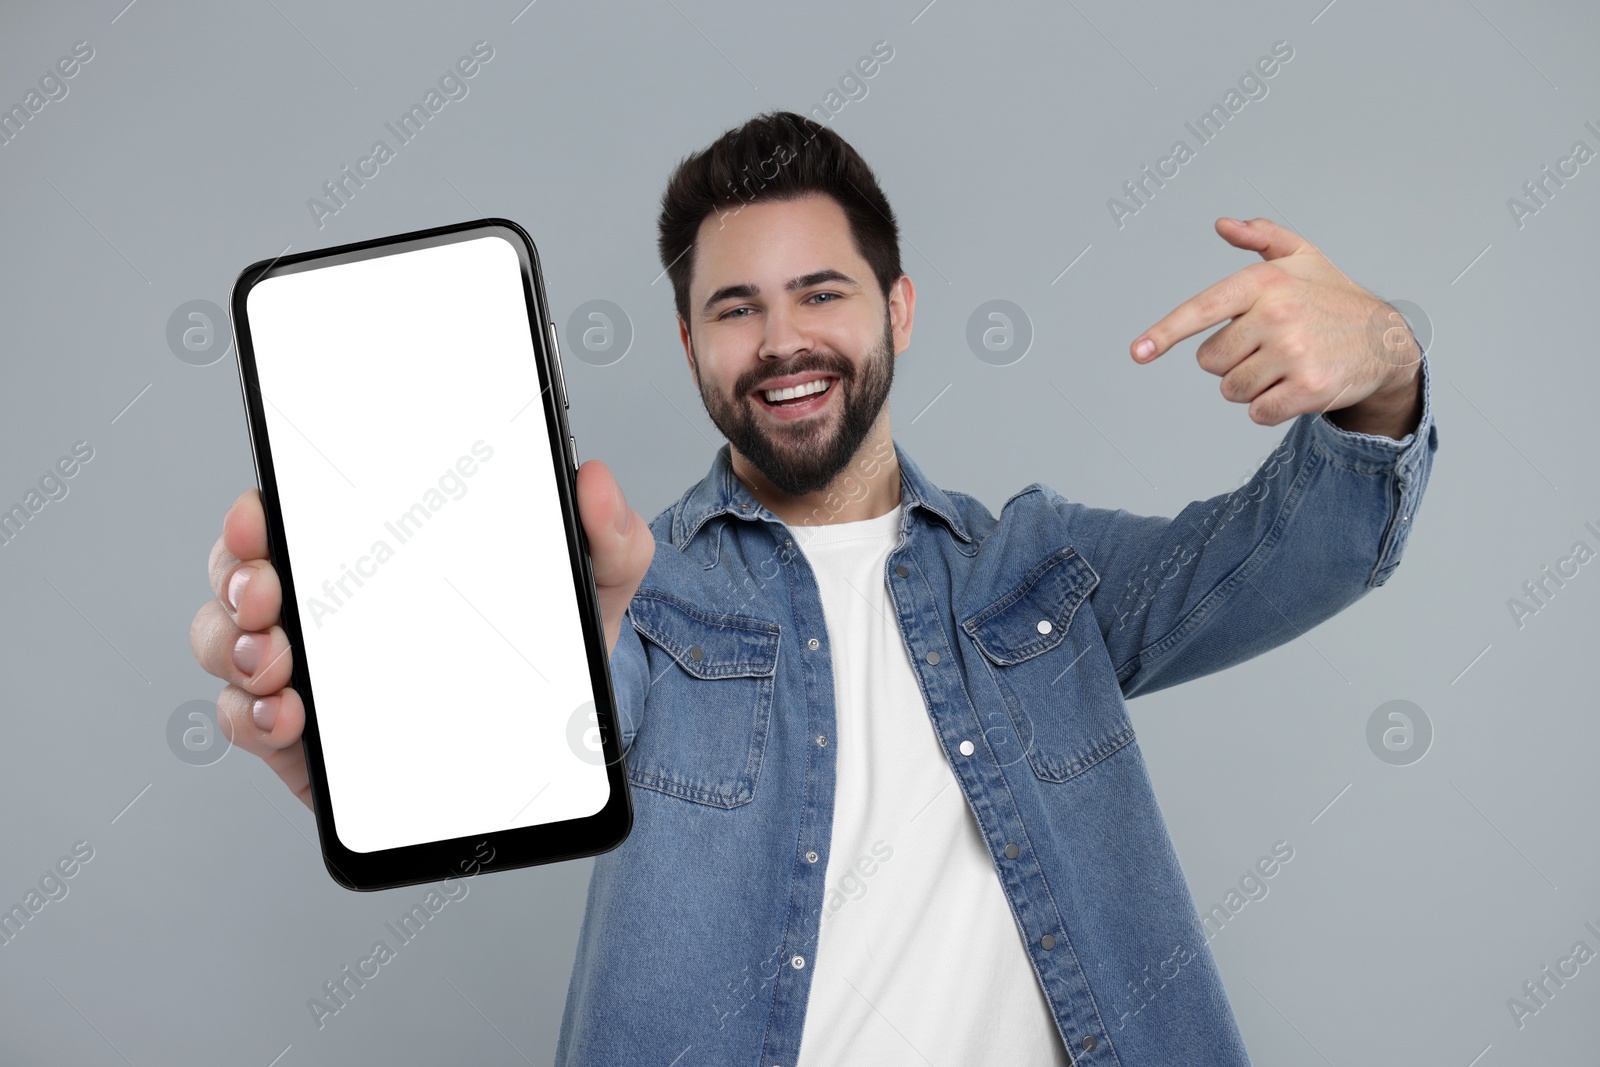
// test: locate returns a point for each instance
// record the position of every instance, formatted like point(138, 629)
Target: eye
point(813, 296)
point(730, 312)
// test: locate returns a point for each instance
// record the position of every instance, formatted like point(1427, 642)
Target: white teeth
point(775, 395)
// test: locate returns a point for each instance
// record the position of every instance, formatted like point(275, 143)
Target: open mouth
point(797, 399)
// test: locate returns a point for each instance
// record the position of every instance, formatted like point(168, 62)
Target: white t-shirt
point(919, 959)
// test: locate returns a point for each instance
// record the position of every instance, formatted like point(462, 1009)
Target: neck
point(867, 487)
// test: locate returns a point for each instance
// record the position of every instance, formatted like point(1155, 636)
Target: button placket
point(807, 615)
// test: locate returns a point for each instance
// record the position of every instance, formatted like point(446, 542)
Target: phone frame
point(507, 849)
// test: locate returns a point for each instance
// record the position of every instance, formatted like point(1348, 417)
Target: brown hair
point(778, 155)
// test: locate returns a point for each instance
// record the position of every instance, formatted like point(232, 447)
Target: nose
point(785, 335)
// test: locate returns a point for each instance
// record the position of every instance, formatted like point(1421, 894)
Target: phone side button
point(573, 442)
point(555, 348)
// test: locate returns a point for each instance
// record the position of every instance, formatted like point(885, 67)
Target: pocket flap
point(1010, 631)
point(704, 643)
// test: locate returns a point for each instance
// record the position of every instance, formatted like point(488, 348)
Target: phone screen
point(431, 567)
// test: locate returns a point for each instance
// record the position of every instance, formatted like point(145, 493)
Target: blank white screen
point(427, 544)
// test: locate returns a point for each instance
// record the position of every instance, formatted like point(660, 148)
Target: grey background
point(1419, 899)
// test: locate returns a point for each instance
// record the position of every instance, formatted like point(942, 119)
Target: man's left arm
point(1322, 523)
point(1304, 343)
point(1394, 411)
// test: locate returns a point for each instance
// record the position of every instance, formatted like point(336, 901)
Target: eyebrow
point(745, 290)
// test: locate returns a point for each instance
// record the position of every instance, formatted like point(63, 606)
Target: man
point(889, 805)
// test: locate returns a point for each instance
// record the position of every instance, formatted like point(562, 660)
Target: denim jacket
point(1027, 634)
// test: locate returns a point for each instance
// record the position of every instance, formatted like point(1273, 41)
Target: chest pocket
point(1045, 652)
point(709, 705)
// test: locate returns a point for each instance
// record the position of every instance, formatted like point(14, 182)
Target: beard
point(805, 457)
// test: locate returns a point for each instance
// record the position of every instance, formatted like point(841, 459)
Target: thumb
point(1262, 236)
point(621, 544)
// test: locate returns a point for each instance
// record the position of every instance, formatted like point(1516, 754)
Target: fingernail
point(247, 652)
point(236, 584)
point(1145, 349)
point(624, 516)
point(265, 712)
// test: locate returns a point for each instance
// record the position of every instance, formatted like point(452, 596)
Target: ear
point(688, 348)
point(902, 309)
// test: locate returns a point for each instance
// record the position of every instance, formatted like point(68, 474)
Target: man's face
point(780, 298)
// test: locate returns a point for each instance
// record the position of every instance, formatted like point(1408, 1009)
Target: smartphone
point(408, 420)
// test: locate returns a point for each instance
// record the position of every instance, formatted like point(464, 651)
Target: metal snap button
point(811, 857)
point(933, 657)
point(697, 653)
point(798, 962)
point(813, 643)
point(1044, 626)
point(1089, 1042)
point(966, 748)
point(1047, 942)
point(902, 572)
point(1012, 851)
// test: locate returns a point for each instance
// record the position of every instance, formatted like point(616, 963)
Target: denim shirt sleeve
point(1323, 521)
point(630, 678)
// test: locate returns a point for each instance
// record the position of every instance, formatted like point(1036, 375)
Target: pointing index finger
point(1227, 299)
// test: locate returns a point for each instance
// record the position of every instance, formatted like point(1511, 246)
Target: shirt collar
point(720, 492)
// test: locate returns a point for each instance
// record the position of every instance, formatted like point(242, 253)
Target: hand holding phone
point(442, 668)
point(260, 712)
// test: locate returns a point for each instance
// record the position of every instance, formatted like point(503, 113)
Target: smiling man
point(889, 806)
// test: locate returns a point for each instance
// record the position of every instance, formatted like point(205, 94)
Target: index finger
point(244, 537)
point(244, 528)
point(1227, 299)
